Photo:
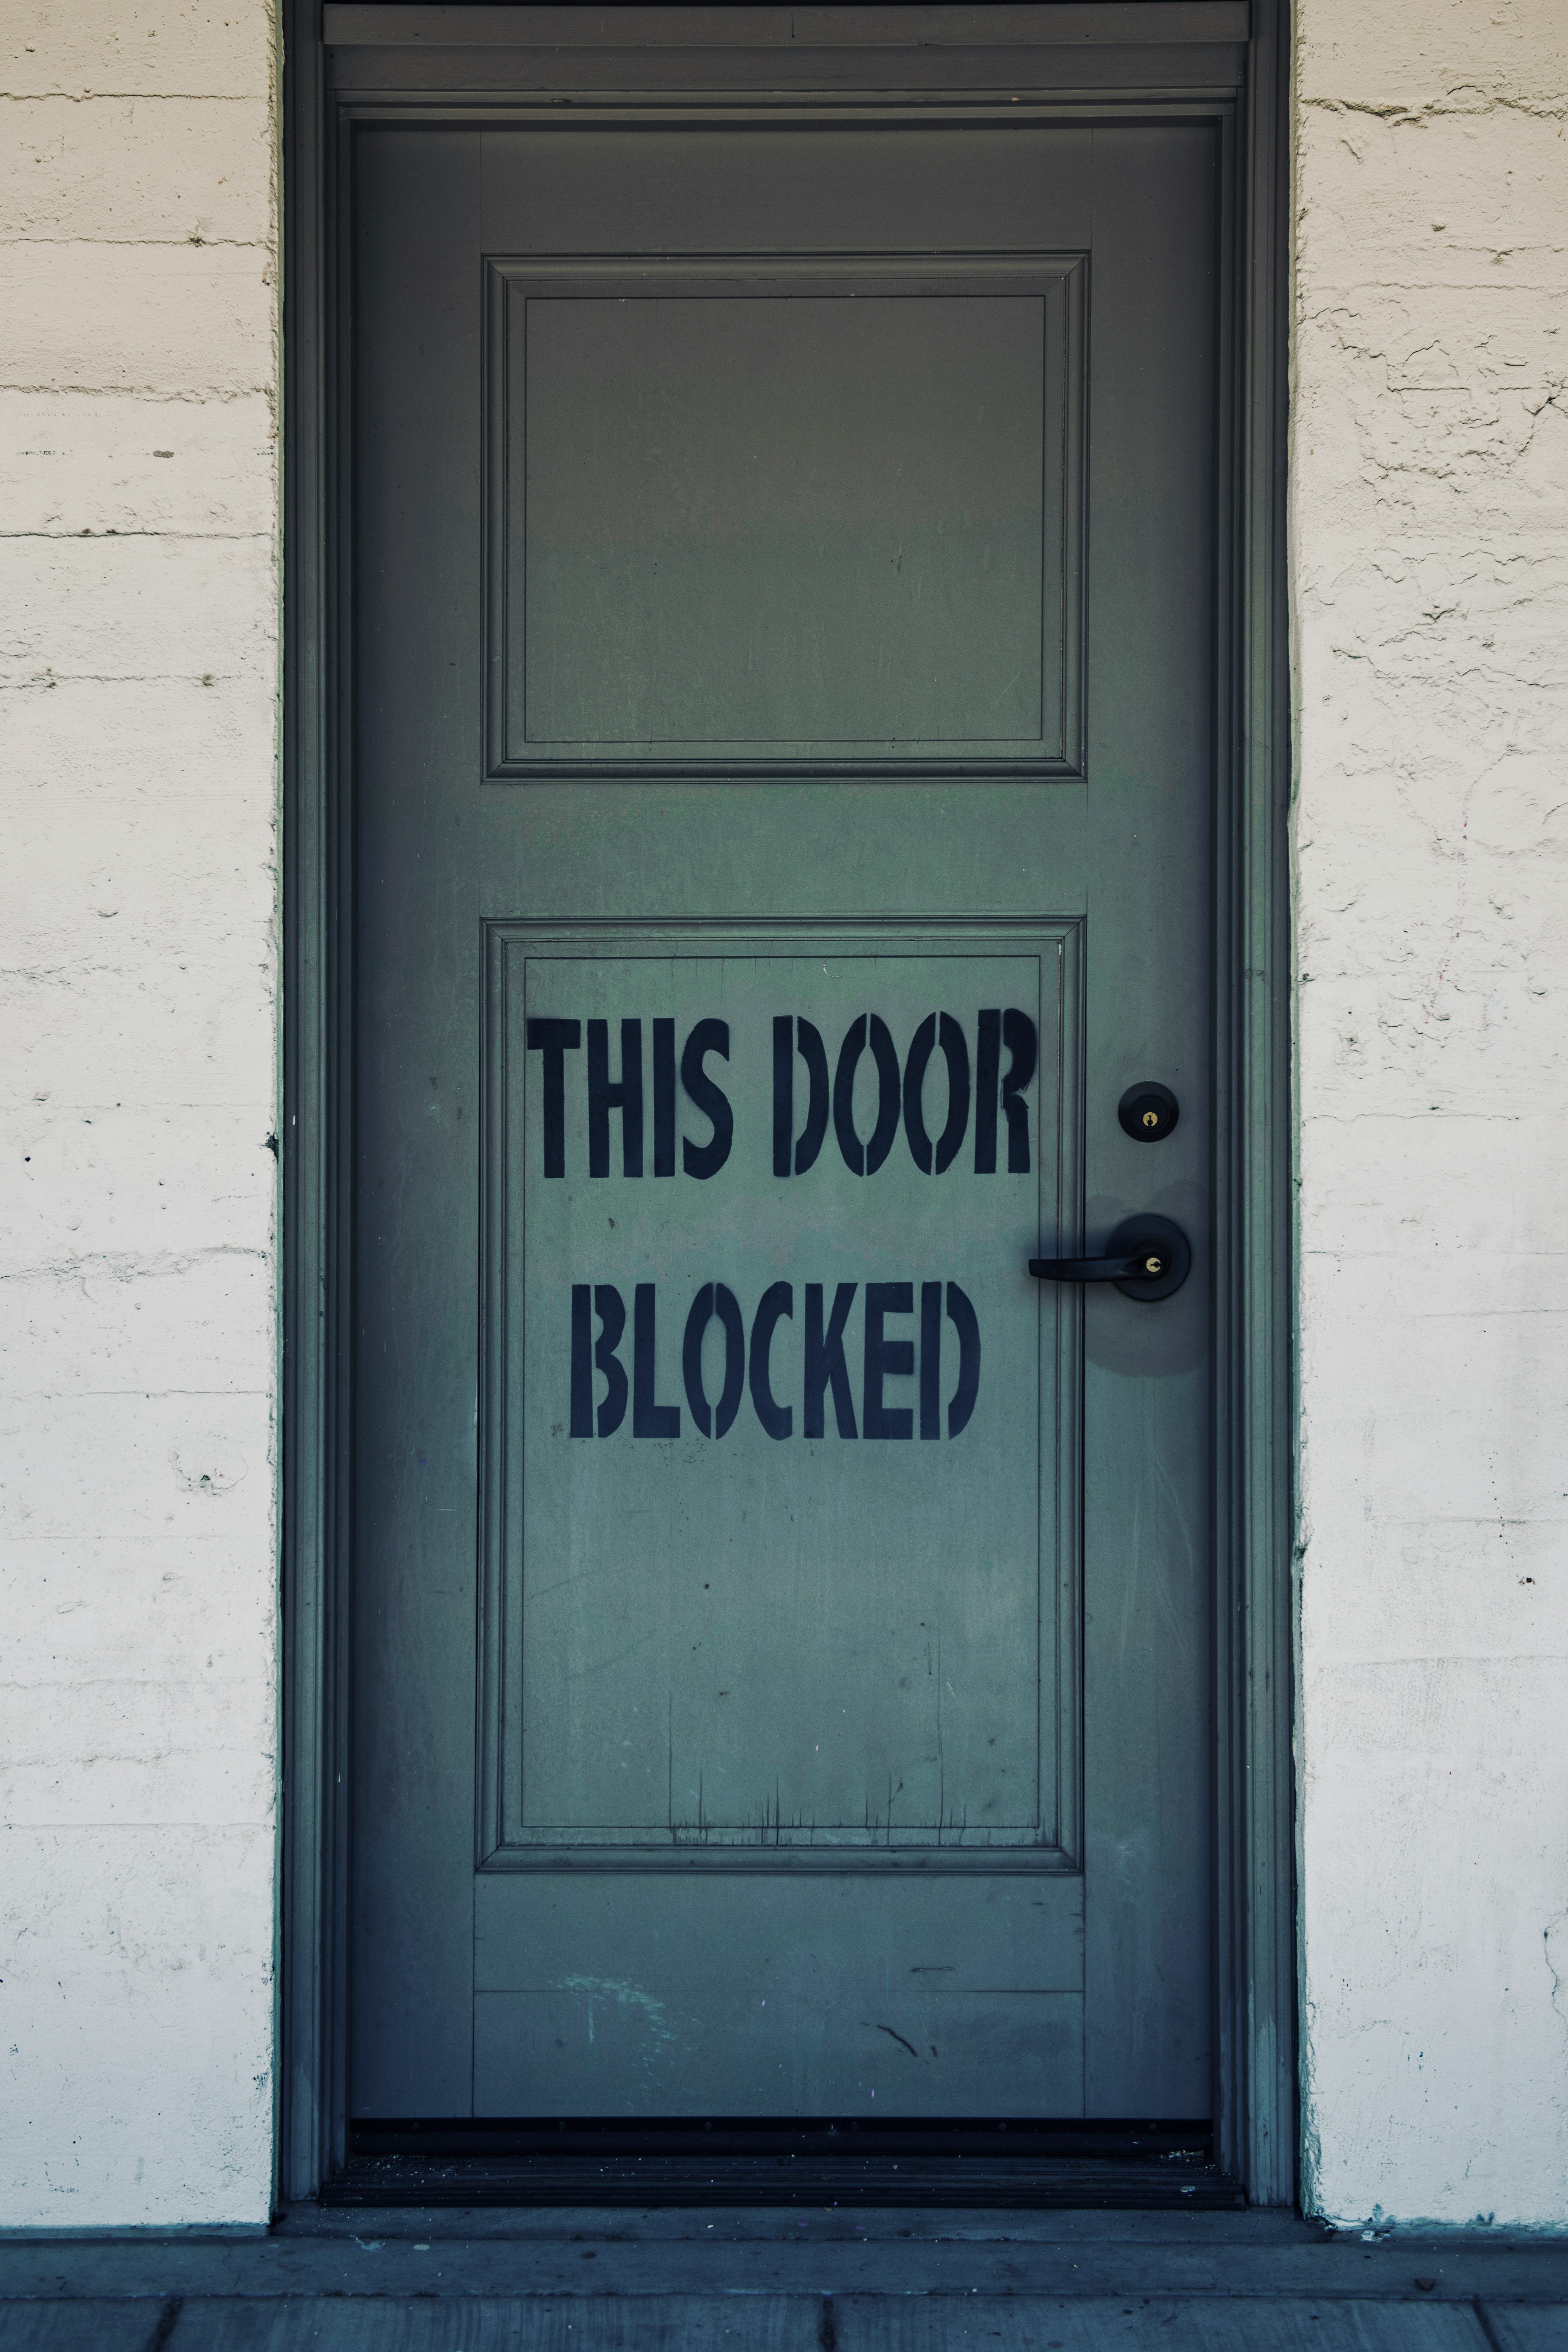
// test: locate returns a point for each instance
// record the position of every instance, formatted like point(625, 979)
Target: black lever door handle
point(1146, 1257)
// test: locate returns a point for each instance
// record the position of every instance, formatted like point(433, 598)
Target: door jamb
point(1254, 1826)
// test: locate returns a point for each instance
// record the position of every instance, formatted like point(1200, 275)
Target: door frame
point(1072, 62)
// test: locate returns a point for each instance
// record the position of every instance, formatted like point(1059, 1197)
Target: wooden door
point(784, 657)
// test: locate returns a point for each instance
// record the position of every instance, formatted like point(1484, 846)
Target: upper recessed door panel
point(784, 516)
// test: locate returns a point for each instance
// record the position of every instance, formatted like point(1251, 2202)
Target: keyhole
point(1148, 1112)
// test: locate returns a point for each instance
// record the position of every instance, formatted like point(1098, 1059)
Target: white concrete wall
point(138, 937)
point(1429, 519)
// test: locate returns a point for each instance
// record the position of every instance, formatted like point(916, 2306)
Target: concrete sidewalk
point(839, 2281)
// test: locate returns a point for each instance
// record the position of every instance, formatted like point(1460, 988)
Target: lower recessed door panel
point(595, 1996)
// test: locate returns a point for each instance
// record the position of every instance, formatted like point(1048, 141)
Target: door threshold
point(673, 2162)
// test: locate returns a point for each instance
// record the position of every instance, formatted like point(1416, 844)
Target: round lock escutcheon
point(1148, 1112)
point(1164, 1251)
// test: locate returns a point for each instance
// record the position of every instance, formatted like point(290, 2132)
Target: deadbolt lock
point(1148, 1112)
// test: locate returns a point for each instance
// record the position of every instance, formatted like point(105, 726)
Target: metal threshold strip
point(1160, 2167)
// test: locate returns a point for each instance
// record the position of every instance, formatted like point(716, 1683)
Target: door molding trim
point(1255, 2104)
point(317, 1137)
point(972, 71)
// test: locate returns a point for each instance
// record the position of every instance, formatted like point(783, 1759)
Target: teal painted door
point(783, 587)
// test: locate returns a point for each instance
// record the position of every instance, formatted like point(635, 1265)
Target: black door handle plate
point(1146, 1257)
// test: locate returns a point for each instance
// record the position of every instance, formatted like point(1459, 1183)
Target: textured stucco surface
point(138, 1088)
point(1429, 521)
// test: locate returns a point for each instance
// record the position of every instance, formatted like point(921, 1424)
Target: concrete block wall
point(1429, 576)
point(138, 582)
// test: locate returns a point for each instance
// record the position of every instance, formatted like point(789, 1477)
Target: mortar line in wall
point(178, 538)
point(181, 396)
point(127, 97)
point(141, 244)
point(146, 1396)
point(44, 682)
